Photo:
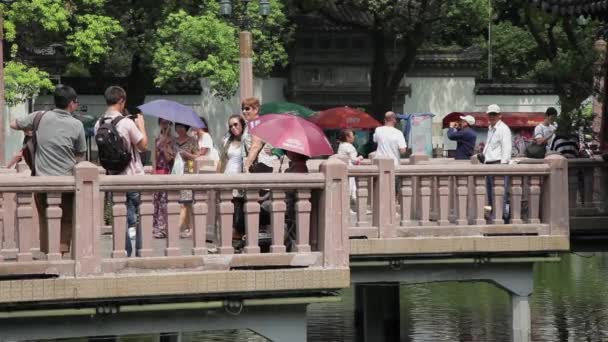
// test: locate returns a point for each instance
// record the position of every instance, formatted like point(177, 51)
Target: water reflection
point(570, 303)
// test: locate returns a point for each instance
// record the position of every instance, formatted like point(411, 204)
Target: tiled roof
point(489, 87)
point(593, 8)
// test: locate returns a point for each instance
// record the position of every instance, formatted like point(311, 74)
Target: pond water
point(570, 303)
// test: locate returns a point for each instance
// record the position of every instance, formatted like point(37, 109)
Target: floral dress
point(190, 146)
point(163, 166)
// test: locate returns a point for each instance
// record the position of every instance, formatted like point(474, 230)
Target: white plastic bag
point(178, 165)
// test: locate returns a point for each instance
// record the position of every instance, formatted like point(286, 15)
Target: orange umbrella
point(343, 117)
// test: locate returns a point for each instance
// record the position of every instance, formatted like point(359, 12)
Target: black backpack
point(113, 151)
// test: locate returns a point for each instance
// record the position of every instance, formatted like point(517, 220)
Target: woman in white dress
point(232, 156)
point(205, 143)
point(346, 149)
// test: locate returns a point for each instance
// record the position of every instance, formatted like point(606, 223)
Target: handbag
point(30, 144)
point(178, 166)
point(535, 150)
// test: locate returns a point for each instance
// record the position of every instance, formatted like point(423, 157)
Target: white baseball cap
point(468, 119)
point(493, 108)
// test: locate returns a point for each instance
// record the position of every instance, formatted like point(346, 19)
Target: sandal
point(186, 233)
point(160, 235)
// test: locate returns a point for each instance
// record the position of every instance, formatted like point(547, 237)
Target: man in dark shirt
point(464, 136)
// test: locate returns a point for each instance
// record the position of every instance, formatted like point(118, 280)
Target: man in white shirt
point(391, 142)
point(497, 151)
point(498, 144)
point(545, 131)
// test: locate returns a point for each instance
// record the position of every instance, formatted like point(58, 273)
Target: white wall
point(14, 139)
point(444, 95)
point(440, 96)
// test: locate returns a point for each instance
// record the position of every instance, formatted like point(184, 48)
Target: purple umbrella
point(172, 111)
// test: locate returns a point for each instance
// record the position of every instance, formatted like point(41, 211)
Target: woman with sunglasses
point(232, 155)
point(164, 156)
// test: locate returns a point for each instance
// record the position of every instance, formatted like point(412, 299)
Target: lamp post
point(245, 43)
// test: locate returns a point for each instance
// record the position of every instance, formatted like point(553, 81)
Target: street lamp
point(2, 102)
point(245, 43)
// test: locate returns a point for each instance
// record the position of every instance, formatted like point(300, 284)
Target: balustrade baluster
point(407, 192)
point(534, 201)
point(53, 233)
point(303, 208)
point(516, 195)
point(119, 212)
point(173, 227)
point(200, 211)
point(499, 198)
point(444, 200)
point(589, 189)
point(252, 221)
point(9, 206)
point(146, 211)
point(425, 200)
point(277, 220)
point(362, 201)
point(1, 224)
point(226, 212)
point(574, 187)
point(480, 199)
point(25, 226)
point(463, 199)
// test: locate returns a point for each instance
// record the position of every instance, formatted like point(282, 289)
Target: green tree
point(195, 45)
point(80, 25)
point(125, 38)
point(531, 44)
point(398, 30)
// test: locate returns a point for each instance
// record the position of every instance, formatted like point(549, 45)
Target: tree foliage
point(406, 27)
point(195, 45)
point(160, 42)
point(531, 44)
point(23, 82)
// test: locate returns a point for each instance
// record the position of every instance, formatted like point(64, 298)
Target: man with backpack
point(119, 140)
point(58, 144)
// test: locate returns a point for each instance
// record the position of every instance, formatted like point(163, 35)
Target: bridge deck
point(420, 209)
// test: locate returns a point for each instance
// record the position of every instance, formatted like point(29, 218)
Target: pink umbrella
point(292, 133)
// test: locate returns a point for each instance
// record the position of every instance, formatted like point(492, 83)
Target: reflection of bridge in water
point(428, 227)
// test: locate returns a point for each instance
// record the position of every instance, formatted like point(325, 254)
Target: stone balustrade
point(427, 207)
point(318, 258)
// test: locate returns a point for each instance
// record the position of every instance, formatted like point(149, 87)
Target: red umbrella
point(344, 117)
point(292, 133)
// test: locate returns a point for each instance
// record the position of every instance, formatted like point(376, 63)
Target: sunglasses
point(247, 108)
point(235, 124)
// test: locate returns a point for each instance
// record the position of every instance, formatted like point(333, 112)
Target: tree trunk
point(139, 82)
point(380, 97)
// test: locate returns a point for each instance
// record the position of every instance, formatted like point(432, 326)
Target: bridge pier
point(382, 279)
point(377, 312)
point(276, 322)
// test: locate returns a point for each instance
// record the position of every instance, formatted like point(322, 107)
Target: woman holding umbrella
point(163, 162)
point(187, 148)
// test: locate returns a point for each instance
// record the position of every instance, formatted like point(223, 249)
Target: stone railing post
point(417, 158)
point(333, 207)
point(555, 196)
point(383, 212)
point(86, 221)
point(209, 167)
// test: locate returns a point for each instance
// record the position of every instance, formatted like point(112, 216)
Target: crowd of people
point(61, 143)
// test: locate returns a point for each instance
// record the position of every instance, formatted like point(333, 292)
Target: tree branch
point(551, 37)
point(535, 32)
point(571, 36)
